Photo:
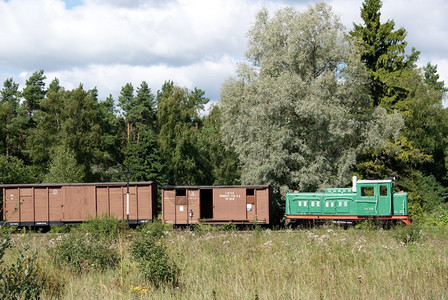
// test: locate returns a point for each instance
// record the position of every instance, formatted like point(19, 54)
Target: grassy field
point(321, 263)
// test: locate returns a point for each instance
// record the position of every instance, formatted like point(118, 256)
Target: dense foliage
point(298, 112)
point(21, 279)
point(311, 105)
point(58, 135)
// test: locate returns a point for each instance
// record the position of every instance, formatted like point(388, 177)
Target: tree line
point(57, 135)
point(311, 105)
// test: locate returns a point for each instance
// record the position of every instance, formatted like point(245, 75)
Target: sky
point(197, 43)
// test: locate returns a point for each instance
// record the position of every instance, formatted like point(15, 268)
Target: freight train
point(136, 202)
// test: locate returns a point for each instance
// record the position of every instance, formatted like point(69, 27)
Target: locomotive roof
point(387, 180)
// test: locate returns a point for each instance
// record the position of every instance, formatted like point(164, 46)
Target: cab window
point(383, 190)
point(367, 191)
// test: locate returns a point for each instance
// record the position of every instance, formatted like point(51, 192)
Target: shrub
point(103, 227)
point(154, 262)
point(438, 218)
point(60, 228)
point(155, 229)
point(201, 228)
point(20, 280)
point(82, 251)
point(408, 234)
point(227, 227)
point(425, 193)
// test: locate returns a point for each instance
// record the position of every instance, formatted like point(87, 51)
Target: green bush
point(103, 227)
point(408, 234)
point(155, 229)
point(20, 280)
point(227, 227)
point(154, 262)
point(438, 218)
point(60, 228)
point(201, 228)
point(83, 251)
point(425, 193)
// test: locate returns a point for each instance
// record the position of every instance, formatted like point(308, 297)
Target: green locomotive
point(366, 199)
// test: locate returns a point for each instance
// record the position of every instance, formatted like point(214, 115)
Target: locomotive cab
point(376, 198)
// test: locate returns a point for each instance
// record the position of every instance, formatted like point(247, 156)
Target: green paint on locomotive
point(365, 198)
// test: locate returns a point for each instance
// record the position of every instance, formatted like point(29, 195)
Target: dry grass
point(324, 263)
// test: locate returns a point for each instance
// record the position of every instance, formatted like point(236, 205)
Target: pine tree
point(383, 53)
point(34, 91)
point(64, 167)
point(179, 124)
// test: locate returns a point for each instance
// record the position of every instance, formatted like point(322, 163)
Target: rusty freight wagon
point(71, 203)
point(183, 205)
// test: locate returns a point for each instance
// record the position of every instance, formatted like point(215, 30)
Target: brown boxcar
point(69, 203)
point(216, 204)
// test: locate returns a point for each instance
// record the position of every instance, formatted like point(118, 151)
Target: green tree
point(179, 123)
point(143, 158)
point(69, 118)
point(141, 155)
point(64, 167)
point(9, 113)
point(383, 53)
point(81, 131)
point(47, 133)
point(432, 80)
point(34, 91)
point(126, 103)
point(426, 121)
point(223, 163)
point(108, 167)
point(13, 170)
point(298, 112)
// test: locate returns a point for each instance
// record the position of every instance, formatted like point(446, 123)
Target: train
point(366, 199)
point(137, 203)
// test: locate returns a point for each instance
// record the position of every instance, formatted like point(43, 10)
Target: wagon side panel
point(11, 207)
point(168, 206)
point(229, 204)
point(102, 201)
point(41, 202)
point(55, 205)
point(116, 202)
point(263, 205)
point(78, 203)
point(144, 202)
point(26, 205)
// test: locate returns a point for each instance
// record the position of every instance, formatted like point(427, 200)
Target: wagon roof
point(73, 184)
point(171, 187)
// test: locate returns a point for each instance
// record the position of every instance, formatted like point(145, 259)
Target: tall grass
point(324, 263)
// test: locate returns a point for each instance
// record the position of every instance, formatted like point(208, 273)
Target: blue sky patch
point(69, 4)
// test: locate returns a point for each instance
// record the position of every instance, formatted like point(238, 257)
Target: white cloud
point(110, 77)
point(44, 32)
point(106, 43)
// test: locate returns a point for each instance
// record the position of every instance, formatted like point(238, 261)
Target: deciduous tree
point(298, 112)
